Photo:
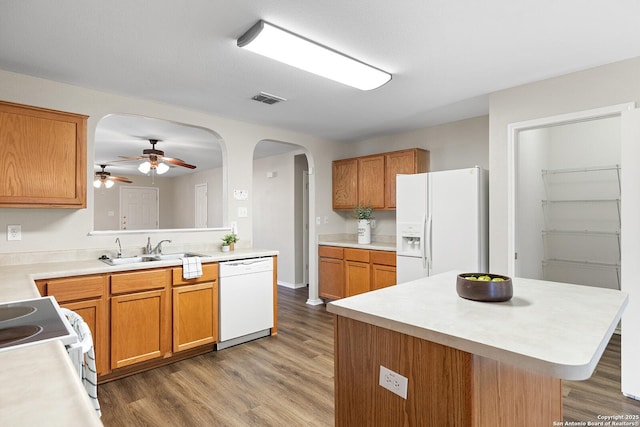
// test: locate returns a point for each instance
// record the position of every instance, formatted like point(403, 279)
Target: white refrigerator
point(442, 223)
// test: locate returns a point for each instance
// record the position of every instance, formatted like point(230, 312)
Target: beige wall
point(454, 145)
point(273, 210)
point(611, 84)
point(61, 229)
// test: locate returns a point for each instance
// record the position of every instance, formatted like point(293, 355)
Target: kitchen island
point(467, 363)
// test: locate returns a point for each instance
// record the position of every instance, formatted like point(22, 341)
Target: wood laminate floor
point(287, 380)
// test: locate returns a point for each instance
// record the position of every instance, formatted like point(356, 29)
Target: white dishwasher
point(245, 300)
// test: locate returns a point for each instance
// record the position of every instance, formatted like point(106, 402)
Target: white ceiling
point(445, 55)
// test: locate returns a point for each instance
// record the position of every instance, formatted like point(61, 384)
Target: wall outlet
point(14, 232)
point(393, 382)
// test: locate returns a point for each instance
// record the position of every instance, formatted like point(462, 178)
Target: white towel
point(89, 372)
point(191, 267)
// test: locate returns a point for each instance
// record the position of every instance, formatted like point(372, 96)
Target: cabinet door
point(382, 276)
point(357, 277)
point(140, 327)
point(345, 183)
point(371, 181)
point(195, 315)
point(94, 313)
point(331, 278)
point(85, 295)
point(44, 158)
point(398, 162)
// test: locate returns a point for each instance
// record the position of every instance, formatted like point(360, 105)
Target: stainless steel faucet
point(148, 249)
point(158, 248)
point(119, 254)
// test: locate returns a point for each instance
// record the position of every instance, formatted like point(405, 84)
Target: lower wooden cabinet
point(140, 317)
point(357, 271)
point(144, 318)
point(195, 308)
point(383, 269)
point(87, 296)
point(331, 272)
point(343, 272)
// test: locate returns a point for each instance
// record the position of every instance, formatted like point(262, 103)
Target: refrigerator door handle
point(426, 247)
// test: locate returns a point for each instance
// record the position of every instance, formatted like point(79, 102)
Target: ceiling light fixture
point(100, 181)
point(268, 40)
point(147, 166)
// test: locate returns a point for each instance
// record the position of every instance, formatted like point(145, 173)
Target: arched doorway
point(281, 208)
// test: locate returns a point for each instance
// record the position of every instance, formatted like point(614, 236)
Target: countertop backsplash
point(21, 258)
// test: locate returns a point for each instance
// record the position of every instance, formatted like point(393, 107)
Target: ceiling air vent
point(267, 98)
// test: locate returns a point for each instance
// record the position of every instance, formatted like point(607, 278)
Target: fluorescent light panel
point(284, 46)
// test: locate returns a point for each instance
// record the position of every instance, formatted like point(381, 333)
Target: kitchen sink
point(148, 258)
point(163, 257)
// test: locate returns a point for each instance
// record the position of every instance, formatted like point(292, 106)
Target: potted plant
point(363, 213)
point(228, 242)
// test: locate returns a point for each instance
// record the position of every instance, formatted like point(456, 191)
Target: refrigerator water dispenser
point(411, 239)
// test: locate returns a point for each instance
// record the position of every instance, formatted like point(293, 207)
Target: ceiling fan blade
point(178, 162)
point(133, 157)
point(120, 179)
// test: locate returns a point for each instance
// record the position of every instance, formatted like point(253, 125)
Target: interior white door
point(201, 205)
point(630, 252)
point(139, 208)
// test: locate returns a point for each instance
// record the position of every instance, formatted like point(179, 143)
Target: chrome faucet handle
point(119, 253)
point(158, 248)
point(149, 249)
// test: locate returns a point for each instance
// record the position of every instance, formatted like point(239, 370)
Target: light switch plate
point(243, 212)
point(240, 194)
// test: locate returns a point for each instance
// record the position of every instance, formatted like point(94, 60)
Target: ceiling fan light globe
point(162, 168)
point(96, 183)
point(144, 167)
point(108, 183)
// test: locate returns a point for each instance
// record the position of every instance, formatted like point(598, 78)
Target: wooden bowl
point(484, 290)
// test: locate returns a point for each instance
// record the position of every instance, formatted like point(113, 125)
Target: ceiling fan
point(154, 160)
point(104, 178)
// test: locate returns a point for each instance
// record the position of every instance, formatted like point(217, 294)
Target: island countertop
point(555, 329)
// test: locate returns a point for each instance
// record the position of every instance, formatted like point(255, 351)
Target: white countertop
point(39, 386)
point(555, 329)
point(17, 281)
point(346, 243)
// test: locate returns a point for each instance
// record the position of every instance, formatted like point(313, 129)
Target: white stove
point(33, 321)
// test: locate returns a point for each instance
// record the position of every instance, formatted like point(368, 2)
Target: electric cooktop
point(33, 321)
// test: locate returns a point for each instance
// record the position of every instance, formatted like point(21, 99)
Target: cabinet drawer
point(330, 252)
point(76, 288)
point(209, 274)
point(383, 257)
point(140, 281)
point(361, 255)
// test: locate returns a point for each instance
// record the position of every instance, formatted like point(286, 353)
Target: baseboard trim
point(291, 285)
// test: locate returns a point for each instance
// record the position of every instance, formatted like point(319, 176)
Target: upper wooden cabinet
point(371, 180)
point(345, 183)
point(43, 156)
point(371, 171)
point(402, 162)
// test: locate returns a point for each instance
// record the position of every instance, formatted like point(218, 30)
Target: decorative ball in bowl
point(484, 287)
